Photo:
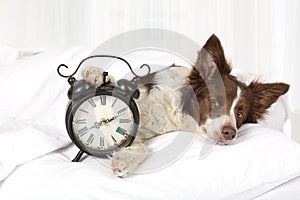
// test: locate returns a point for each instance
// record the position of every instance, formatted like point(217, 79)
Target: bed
point(36, 152)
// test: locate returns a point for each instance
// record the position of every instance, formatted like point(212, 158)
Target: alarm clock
point(102, 120)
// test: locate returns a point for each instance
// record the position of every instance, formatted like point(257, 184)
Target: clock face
point(102, 122)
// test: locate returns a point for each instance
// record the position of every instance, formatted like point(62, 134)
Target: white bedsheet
point(35, 151)
point(261, 160)
point(289, 190)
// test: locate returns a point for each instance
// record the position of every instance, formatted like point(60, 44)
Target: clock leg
point(78, 156)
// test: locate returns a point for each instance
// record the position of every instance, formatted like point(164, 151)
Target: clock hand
point(110, 119)
point(113, 118)
point(96, 125)
point(91, 127)
point(106, 121)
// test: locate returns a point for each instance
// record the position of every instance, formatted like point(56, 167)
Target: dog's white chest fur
point(161, 107)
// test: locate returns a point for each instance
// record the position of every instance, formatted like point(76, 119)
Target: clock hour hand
point(105, 121)
point(110, 119)
point(113, 118)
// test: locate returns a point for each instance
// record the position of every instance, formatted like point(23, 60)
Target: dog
point(204, 99)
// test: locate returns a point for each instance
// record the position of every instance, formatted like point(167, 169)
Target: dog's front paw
point(126, 160)
point(122, 164)
point(94, 76)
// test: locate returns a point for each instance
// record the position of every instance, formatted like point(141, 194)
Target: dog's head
point(226, 103)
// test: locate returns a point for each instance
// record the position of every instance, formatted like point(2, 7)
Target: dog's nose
point(228, 133)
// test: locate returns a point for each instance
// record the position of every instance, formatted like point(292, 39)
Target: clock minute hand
point(96, 125)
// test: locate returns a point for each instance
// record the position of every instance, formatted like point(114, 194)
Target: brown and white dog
point(204, 99)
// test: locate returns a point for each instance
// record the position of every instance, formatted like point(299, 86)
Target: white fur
point(234, 103)
point(160, 109)
point(214, 126)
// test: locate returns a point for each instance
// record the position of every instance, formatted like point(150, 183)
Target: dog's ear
point(211, 59)
point(262, 96)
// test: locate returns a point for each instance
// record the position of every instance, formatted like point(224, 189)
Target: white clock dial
point(103, 122)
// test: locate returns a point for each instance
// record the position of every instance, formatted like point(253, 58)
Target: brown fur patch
point(262, 96)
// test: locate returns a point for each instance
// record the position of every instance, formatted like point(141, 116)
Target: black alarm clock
point(101, 120)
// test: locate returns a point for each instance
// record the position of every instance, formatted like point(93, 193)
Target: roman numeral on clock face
point(124, 121)
point(82, 131)
point(84, 111)
point(101, 141)
point(103, 100)
point(121, 131)
point(122, 110)
point(91, 101)
point(80, 121)
point(114, 139)
point(114, 102)
point(91, 139)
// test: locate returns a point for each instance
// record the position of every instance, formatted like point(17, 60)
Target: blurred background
point(258, 36)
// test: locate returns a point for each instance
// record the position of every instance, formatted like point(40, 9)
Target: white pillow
point(9, 53)
point(261, 159)
point(33, 109)
point(31, 85)
point(24, 140)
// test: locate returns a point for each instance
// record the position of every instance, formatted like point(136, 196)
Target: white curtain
point(260, 36)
